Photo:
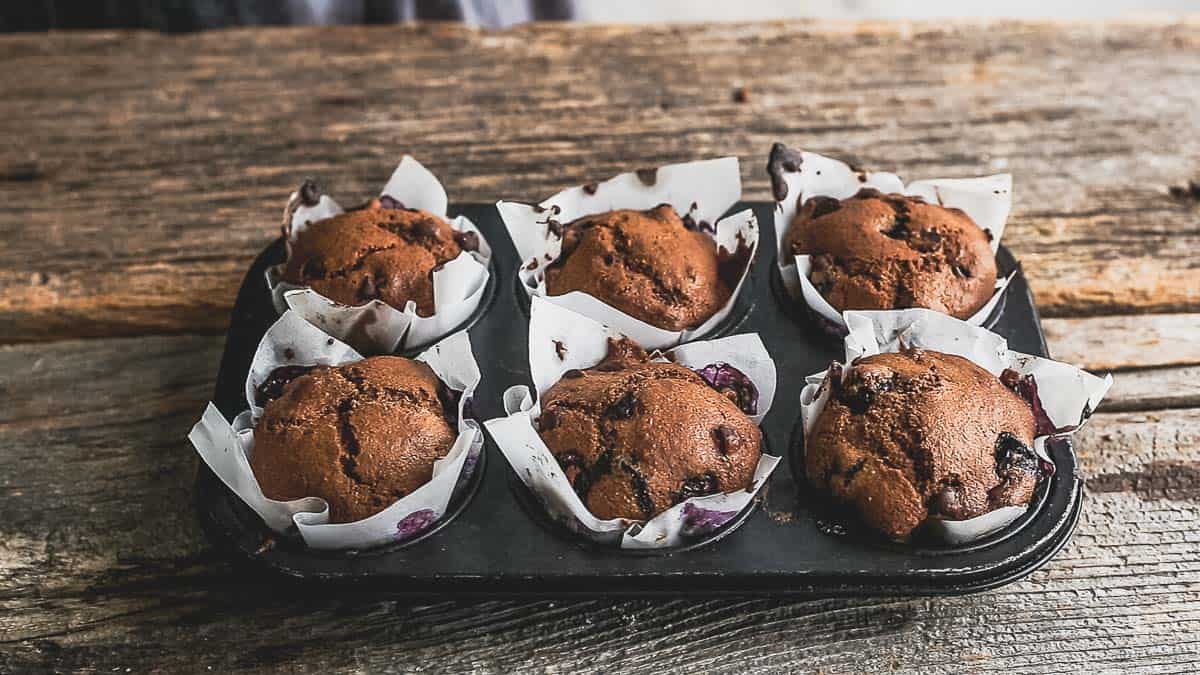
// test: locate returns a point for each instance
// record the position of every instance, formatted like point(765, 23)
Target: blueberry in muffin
point(381, 251)
point(360, 436)
point(636, 437)
point(917, 434)
point(652, 265)
point(893, 251)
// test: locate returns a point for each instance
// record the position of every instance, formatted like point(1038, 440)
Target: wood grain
point(141, 173)
point(102, 564)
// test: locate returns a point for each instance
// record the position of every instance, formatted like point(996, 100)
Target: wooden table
point(139, 175)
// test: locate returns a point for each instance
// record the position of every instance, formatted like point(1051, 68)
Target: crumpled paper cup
point(702, 190)
point(226, 448)
point(376, 327)
point(1066, 395)
point(561, 340)
point(987, 200)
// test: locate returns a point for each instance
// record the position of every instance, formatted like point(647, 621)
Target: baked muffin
point(877, 251)
point(360, 436)
point(651, 264)
point(381, 251)
point(918, 434)
point(636, 437)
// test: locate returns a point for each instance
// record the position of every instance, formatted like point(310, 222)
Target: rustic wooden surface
point(139, 174)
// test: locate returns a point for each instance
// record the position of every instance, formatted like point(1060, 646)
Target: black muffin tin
point(497, 541)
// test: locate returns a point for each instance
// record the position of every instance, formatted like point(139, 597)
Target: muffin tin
point(495, 541)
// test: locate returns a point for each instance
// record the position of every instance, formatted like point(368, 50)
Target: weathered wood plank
point(143, 172)
point(1112, 342)
point(102, 566)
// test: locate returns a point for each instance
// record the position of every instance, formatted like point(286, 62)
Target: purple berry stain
point(733, 383)
point(415, 523)
point(699, 520)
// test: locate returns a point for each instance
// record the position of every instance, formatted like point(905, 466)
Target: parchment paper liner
point(582, 343)
point(226, 448)
point(702, 190)
point(376, 327)
point(987, 200)
point(1068, 394)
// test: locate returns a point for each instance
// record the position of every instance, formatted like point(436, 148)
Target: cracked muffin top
point(636, 437)
point(919, 434)
point(379, 252)
point(649, 264)
point(877, 251)
point(360, 436)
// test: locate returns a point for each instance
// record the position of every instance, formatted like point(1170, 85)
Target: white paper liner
point(376, 327)
point(1068, 394)
point(987, 200)
point(560, 340)
point(703, 190)
point(226, 448)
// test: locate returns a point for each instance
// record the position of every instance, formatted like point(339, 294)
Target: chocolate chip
point(725, 437)
point(310, 193)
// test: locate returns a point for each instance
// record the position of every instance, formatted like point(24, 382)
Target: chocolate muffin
point(382, 251)
point(877, 251)
point(360, 436)
point(636, 437)
point(917, 434)
point(651, 264)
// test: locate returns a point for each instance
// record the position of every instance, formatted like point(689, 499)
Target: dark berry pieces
point(697, 486)
point(272, 387)
point(725, 437)
point(314, 268)
point(734, 384)
point(822, 205)
point(623, 409)
point(648, 177)
point(1013, 455)
point(1026, 387)
point(467, 241)
point(449, 399)
point(310, 193)
point(389, 202)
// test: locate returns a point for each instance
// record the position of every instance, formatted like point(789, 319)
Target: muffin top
point(648, 264)
point(636, 437)
point(919, 433)
point(877, 251)
point(360, 436)
point(379, 252)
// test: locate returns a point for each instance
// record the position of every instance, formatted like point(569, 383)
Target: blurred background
point(192, 15)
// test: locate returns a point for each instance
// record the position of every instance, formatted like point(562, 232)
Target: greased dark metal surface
point(794, 543)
